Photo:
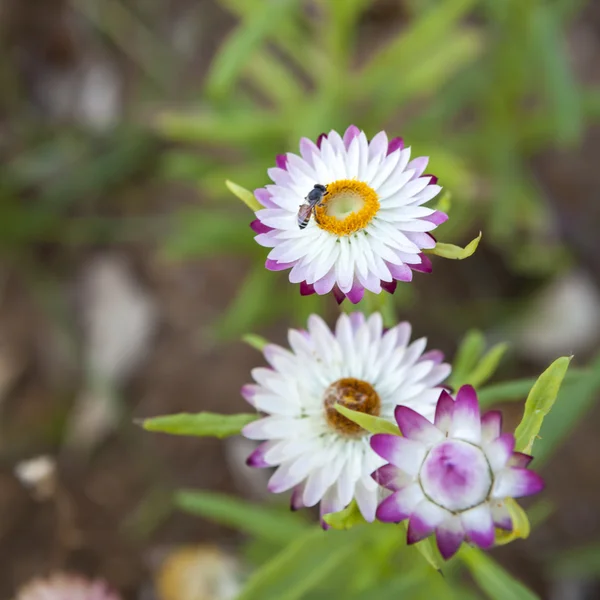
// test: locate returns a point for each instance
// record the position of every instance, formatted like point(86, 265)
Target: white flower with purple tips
point(453, 476)
point(370, 228)
point(319, 454)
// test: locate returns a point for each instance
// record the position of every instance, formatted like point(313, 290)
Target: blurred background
point(128, 273)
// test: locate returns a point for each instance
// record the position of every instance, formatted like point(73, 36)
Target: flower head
point(453, 476)
point(66, 587)
point(367, 231)
point(319, 454)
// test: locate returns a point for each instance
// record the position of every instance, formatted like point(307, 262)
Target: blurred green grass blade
point(220, 128)
point(274, 80)
point(239, 47)
point(583, 562)
point(429, 30)
point(467, 356)
point(255, 302)
point(204, 424)
point(397, 587)
point(290, 36)
point(487, 365)
point(561, 87)
point(302, 565)
point(539, 403)
point(428, 76)
point(497, 583)
point(200, 232)
point(272, 524)
point(256, 341)
point(574, 401)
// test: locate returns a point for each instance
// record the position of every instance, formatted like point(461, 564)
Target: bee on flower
point(370, 223)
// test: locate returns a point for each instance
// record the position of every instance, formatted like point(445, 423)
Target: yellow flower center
point(348, 207)
point(354, 394)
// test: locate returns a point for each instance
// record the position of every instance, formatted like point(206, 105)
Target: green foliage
point(493, 579)
point(246, 196)
point(202, 424)
point(345, 519)
point(471, 365)
point(277, 526)
point(368, 422)
point(539, 403)
point(256, 341)
point(583, 562)
point(455, 252)
point(302, 565)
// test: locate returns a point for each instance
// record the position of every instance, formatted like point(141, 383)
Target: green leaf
point(577, 396)
point(492, 578)
point(455, 252)
point(246, 196)
point(272, 524)
point(521, 525)
point(256, 302)
point(467, 357)
point(561, 86)
point(487, 365)
point(204, 424)
point(583, 562)
point(256, 341)
point(239, 47)
point(302, 565)
point(510, 391)
point(369, 422)
point(539, 402)
point(197, 233)
point(345, 519)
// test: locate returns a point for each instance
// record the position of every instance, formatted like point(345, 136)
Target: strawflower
point(453, 476)
point(367, 230)
point(319, 454)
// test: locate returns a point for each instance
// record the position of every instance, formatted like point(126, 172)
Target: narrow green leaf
point(539, 402)
point(580, 562)
point(271, 524)
point(487, 365)
point(497, 583)
point(574, 401)
point(204, 424)
point(510, 391)
point(467, 356)
point(302, 565)
point(201, 232)
point(256, 341)
point(345, 519)
point(246, 196)
point(562, 88)
point(239, 47)
point(455, 252)
point(256, 302)
point(369, 422)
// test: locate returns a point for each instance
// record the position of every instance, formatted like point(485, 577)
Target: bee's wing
point(304, 211)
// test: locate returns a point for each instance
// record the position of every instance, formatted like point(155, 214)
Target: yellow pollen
point(348, 207)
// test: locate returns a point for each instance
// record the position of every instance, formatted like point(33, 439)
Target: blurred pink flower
point(66, 587)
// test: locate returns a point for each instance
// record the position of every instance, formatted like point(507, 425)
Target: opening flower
point(454, 476)
point(66, 587)
point(319, 454)
point(367, 231)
